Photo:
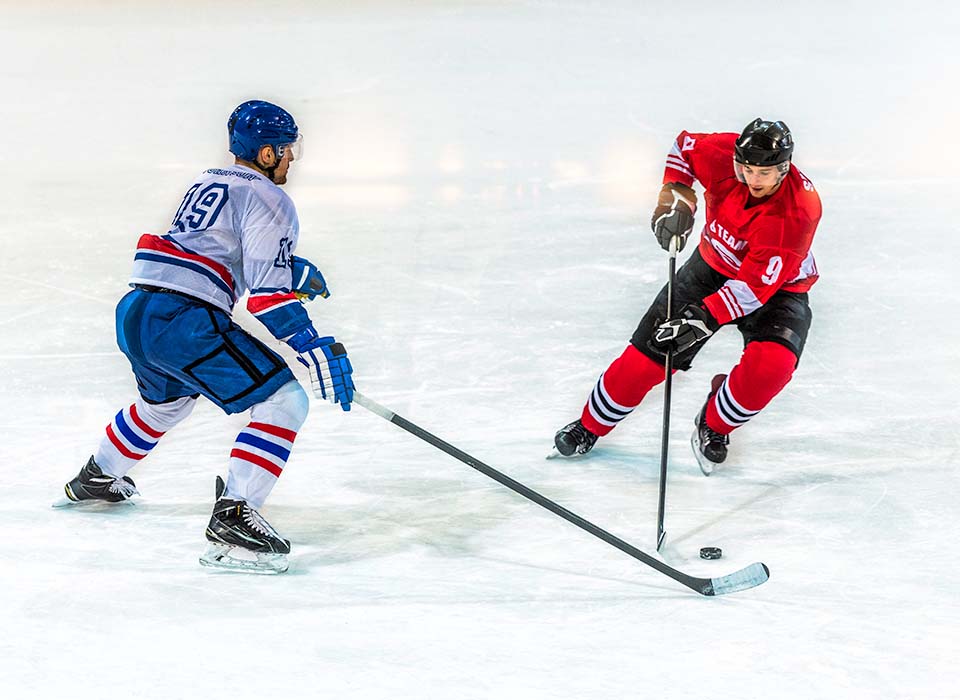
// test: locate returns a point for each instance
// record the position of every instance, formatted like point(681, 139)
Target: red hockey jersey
point(762, 248)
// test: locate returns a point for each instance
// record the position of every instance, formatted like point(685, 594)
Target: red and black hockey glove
point(673, 216)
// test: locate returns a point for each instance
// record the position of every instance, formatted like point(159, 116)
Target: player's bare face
point(761, 181)
point(280, 174)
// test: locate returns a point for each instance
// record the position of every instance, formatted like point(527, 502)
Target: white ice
point(476, 187)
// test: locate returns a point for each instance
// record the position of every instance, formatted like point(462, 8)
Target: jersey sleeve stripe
point(746, 300)
point(679, 164)
point(260, 304)
point(731, 312)
point(270, 290)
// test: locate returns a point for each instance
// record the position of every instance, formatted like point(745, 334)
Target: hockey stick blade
point(751, 576)
point(748, 577)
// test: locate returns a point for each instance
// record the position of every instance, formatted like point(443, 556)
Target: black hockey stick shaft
point(751, 576)
point(667, 395)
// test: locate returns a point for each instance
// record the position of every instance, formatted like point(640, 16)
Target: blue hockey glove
point(694, 325)
point(329, 366)
point(308, 283)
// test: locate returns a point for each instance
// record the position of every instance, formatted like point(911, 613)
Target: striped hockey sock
point(620, 390)
point(262, 449)
point(764, 370)
point(136, 430)
point(258, 457)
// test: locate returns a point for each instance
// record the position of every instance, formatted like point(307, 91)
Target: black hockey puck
point(710, 553)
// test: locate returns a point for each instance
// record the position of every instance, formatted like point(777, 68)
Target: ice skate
point(571, 440)
point(242, 540)
point(709, 446)
point(91, 485)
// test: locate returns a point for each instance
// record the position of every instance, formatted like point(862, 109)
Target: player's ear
point(266, 156)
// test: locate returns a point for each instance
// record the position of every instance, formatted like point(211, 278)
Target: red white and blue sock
point(263, 447)
point(136, 430)
point(258, 457)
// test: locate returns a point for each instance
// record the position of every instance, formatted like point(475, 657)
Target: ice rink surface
point(476, 188)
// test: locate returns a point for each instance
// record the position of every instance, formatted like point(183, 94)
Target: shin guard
point(764, 370)
point(136, 430)
point(262, 448)
point(619, 390)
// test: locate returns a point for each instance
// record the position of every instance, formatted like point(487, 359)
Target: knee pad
point(287, 407)
point(163, 416)
point(767, 366)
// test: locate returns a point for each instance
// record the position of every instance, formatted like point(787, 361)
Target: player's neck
point(252, 166)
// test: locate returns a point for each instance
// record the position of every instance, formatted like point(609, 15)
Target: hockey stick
point(667, 390)
point(748, 577)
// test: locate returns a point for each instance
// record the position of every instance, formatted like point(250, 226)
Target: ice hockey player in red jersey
point(752, 269)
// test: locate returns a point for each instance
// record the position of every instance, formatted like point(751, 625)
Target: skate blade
point(219, 556)
point(557, 454)
point(66, 502)
point(706, 466)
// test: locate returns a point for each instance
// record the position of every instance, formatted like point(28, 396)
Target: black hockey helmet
point(764, 143)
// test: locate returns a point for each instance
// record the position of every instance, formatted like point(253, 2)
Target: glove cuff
point(701, 313)
point(307, 339)
point(673, 191)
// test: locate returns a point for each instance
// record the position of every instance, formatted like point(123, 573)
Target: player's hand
point(330, 369)
point(673, 216)
point(308, 283)
point(694, 324)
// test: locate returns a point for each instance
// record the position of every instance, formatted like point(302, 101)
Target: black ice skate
point(92, 485)
point(237, 528)
point(574, 439)
point(709, 446)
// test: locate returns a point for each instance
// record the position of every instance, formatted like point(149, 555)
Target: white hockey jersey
point(234, 231)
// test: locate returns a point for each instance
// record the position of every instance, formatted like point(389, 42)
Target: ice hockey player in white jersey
point(234, 232)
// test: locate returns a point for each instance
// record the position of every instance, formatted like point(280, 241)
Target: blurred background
point(476, 188)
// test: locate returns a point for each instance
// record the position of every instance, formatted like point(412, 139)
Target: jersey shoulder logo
point(285, 254)
point(688, 143)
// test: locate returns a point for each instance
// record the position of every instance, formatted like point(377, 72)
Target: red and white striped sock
point(765, 368)
point(619, 390)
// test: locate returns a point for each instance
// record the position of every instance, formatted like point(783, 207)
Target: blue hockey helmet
point(256, 124)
